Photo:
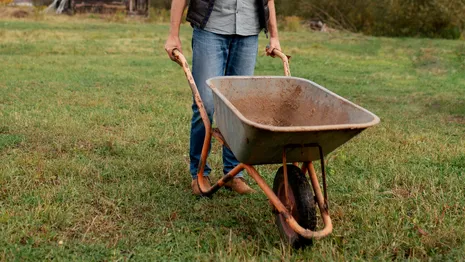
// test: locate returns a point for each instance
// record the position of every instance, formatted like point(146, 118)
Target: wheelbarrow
point(280, 120)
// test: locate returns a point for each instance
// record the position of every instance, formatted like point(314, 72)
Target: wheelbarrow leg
point(206, 191)
point(321, 200)
point(328, 228)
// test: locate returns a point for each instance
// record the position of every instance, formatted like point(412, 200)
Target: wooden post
point(147, 8)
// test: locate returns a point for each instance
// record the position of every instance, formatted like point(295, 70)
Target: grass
point(94, 129)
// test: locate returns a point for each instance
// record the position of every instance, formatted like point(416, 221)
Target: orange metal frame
point(307, 167)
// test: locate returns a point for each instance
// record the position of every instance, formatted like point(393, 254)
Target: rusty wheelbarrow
point(280, 120)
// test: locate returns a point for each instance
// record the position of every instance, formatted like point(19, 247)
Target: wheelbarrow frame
point(306, 167)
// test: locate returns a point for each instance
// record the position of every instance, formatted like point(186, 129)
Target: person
point(224, 42)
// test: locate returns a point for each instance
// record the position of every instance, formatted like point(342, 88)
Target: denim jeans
point(216, 55)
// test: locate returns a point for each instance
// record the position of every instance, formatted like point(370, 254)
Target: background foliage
point(5, 2)
point(430, 18)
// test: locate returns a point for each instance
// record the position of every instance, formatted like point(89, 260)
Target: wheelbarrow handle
point(285, 58)
point(180, 58)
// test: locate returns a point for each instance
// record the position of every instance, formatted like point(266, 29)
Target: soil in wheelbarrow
point(288, 108)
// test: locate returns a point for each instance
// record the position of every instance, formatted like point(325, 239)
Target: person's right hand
point(173, 42)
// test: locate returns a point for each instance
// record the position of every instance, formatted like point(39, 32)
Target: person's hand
point(274, 44)
point(173, 42)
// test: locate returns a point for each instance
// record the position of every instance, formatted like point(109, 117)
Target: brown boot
point(195, 185)
point(238, 184)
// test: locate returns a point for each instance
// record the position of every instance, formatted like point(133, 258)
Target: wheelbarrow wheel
point(302, 205)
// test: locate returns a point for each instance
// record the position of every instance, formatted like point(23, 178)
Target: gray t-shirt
point(231, 17)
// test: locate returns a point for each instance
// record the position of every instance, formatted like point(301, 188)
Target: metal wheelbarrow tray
point(259, 116)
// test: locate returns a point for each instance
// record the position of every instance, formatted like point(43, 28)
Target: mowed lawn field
point(94, 131)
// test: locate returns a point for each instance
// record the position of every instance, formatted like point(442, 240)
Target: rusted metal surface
point(279, 206)
point(328, 228)
point(285, 59)
point(264, 114)
point(291, 203)
point(209, 132)
point(203, 113)
point(217, 134)
point(286, 181)
point(322, 163)
point(208, 191)
point(323, 175)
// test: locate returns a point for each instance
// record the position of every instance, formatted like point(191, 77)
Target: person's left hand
point(274, 44)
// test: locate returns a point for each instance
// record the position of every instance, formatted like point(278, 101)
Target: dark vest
point(200, 10)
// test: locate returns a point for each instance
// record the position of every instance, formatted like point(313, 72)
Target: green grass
point(94, 129)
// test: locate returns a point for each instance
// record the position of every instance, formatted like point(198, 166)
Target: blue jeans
point(216, 55)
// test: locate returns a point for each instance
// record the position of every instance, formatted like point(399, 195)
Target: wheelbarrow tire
point(302, 202)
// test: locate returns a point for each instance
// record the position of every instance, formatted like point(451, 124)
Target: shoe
point(238, 184)
point(195, 186)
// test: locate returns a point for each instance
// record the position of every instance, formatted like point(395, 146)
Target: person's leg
point(242, 56)
point(241, 62)
point(210, 52)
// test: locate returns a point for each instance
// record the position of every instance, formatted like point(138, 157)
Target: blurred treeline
point(430, 18)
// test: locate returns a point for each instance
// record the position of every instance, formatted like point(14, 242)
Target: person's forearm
point(177, 9)
point(272, 23)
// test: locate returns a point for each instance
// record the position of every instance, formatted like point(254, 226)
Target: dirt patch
point(20, 14)
point(455, 109)
point(427, 60)
point(456, 119)
point(16, 11)
point(268, 110)
point(287, 109)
